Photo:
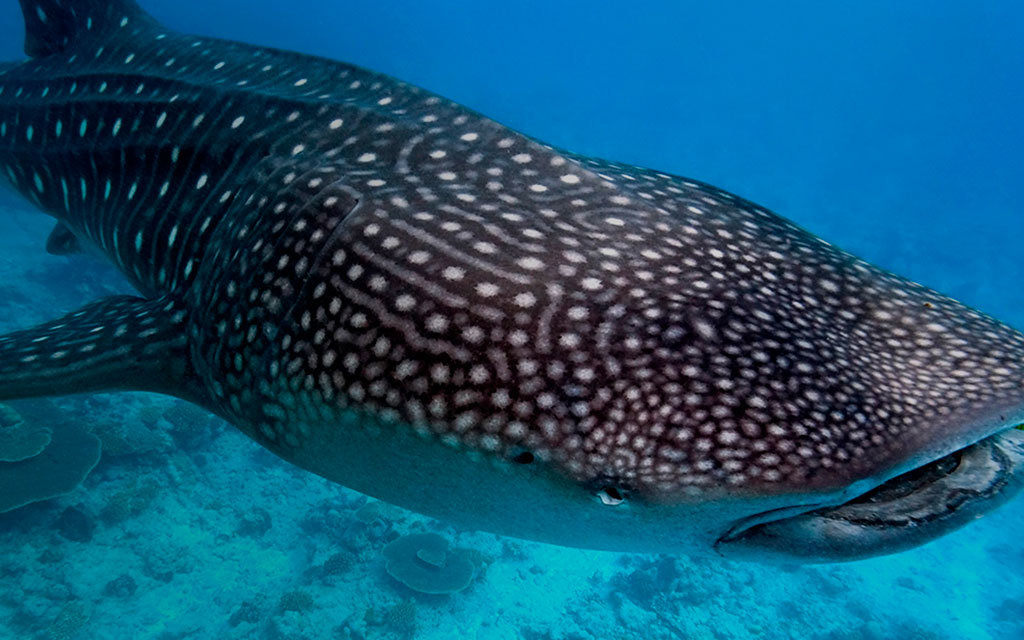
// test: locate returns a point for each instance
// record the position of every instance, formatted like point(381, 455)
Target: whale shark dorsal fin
point(62, 241)
point(55, 26)
point(113, 344)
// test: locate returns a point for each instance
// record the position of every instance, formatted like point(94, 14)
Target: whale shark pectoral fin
point(117, 343)
point(62, 242)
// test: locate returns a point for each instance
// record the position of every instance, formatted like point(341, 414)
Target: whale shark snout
point(902, 433)
point(913, 508)
point(947, 389)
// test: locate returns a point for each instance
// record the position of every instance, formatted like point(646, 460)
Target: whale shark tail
point(57, 26)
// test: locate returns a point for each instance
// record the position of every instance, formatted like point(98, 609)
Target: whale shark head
point(831, 410)
point(850, 411)
point(685, 364)
point(410, 299)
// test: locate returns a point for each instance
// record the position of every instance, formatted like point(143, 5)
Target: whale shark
point(405, 297)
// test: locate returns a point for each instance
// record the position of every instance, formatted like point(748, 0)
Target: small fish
point(403, 296)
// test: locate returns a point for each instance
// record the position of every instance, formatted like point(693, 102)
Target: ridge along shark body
point(412, 300)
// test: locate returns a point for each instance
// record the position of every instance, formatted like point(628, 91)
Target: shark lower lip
point(906, 511)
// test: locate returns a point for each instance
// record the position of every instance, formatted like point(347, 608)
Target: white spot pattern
point(375, 245)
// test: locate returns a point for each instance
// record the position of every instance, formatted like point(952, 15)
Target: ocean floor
point(186, 529)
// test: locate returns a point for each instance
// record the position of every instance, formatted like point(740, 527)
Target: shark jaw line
point(910, 509)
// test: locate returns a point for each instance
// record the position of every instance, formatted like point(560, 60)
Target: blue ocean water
point(891, 129)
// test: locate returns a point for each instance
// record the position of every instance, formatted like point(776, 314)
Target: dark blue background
point(893, 129)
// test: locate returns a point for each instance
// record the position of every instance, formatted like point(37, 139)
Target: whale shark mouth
point(908, 510)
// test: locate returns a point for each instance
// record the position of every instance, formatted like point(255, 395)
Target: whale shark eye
point(611, 496)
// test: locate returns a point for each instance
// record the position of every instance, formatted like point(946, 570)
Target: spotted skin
point(315, 241)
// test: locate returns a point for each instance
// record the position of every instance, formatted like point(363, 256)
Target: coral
point(130, 437)
point(326, 520)
point(166, 561)
point(50, 556)
point(20, 444)
point(59, 467)
point(122, 586)
point(248, 612)
point(254, 523)
point(338, 563)
point(190, 424)
point(18, 439)
point(401, 619)
point(130, 427)
point(513, 550)
point(370, 512)
point(424, 563)
point(8, 416)
point(334, 521)
point(69, 622)
point(645, 584)
point(149, 415)
point(129, 503)
point(73, 524)
point(297, 600)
